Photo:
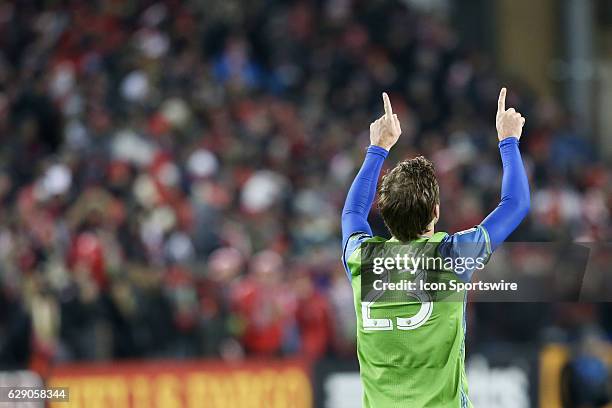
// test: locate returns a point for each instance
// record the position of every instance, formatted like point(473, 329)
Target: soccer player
point(411, 353)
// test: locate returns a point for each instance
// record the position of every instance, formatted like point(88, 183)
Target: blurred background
point(172, 175)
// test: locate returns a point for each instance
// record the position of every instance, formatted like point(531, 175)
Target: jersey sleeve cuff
point(378, 151)
point(508, 141)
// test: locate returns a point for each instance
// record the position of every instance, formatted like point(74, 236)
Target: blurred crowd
point(172, 173)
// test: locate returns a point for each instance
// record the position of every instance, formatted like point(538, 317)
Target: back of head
point(408, 196)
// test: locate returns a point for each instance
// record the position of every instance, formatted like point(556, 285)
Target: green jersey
point(411, 349)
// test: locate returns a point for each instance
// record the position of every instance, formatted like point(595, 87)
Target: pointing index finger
point(387, 103)
point(501, 102)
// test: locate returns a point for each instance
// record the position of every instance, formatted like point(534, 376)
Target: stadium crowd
point(172, 173)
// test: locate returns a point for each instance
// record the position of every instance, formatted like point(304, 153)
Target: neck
point(430, 229)
point(429, 233)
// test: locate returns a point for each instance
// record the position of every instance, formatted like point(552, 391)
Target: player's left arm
point(482, 240)
point(384, 133)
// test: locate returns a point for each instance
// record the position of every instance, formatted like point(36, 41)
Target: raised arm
point(514, 203)
point(361, 194)
point(482, 240)
point(384, 133)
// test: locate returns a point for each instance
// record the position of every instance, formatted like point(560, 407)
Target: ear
point(436, 214)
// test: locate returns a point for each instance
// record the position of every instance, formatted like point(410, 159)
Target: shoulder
point(472, 237)
point(351, 254)
point(471, 245)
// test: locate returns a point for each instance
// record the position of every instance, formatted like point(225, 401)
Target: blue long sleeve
point(515, 201)
point(361, 194)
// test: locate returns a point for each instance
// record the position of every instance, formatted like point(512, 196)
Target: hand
point(509, 123)
point(385, 131)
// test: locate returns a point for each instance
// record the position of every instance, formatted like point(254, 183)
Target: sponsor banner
point(337, 384)
point(502, 377)
point(274, 384)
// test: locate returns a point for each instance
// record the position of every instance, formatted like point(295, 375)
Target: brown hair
point(408, 196)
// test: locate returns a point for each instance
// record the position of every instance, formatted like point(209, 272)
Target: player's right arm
point(482, 240)
point(384, 133)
